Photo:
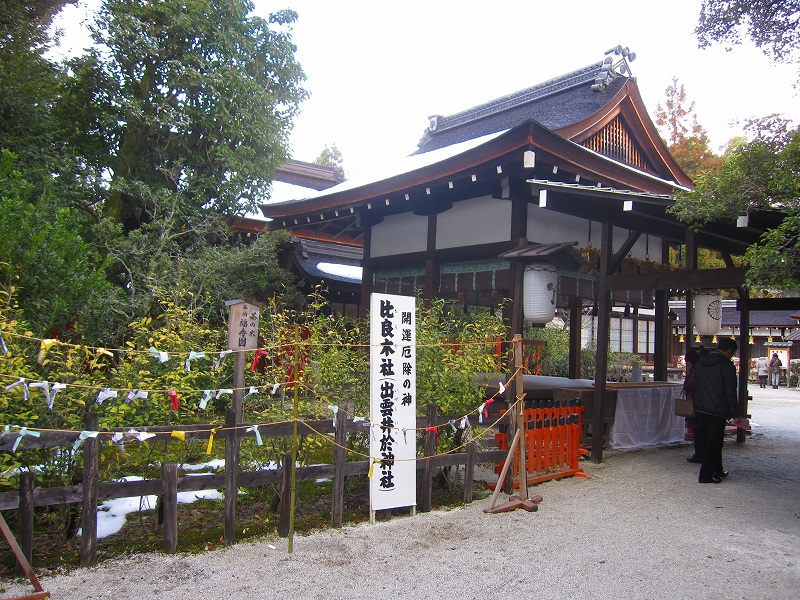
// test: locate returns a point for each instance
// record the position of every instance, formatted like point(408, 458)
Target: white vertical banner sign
point(393, 401)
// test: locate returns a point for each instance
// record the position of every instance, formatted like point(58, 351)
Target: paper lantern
point(708, 313)
point(539, 293)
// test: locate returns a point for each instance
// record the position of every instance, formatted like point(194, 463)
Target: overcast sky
point(377, 70)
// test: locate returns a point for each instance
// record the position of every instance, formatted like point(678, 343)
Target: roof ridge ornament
point(611, 70)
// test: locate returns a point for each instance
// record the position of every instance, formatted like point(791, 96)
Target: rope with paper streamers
point(50, 390)
point(46, 344)
point(142, 436)
point(133, 394)
point(117, 437)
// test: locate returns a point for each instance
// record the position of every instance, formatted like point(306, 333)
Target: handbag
point(684, 404)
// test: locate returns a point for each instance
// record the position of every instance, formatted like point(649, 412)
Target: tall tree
point(192, 98)
point(773, 26)
point(687, 140)
point(29, 87)
point(760, 175)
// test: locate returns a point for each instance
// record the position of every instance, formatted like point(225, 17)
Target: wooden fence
point(92, 491)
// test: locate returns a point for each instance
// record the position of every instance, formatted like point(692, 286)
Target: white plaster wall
point(398, 234)
point(476, 221)
point(643, 248)
point(549, 227)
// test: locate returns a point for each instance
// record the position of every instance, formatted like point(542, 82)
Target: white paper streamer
point(134, 394)
point(254, 429)
point(25, 393)
point(480, 412)
point(253, 390)
point(335, 410)
point(105, 394)
point(464, 423)
point(223, 391)
point(117, 440)
point(218, 362)
point(45, 387)
point(22, 433)
point(204, 400)
point(161, 356)
point(192, 356)
point(275, 388)
point(3, 346)
point(84, 435)
point(502, 388)
point(141, 435)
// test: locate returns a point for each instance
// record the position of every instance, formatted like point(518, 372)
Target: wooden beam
point(754, 304)
point(678, 280)
point(601, 357)
point(616, 262)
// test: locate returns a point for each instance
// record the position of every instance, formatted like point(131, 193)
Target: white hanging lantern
point(708, 313)
point(539, 293)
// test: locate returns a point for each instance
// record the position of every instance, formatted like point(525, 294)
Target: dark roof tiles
point(556, 103)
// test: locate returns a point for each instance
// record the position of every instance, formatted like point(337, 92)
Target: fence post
point(286, 492)
point(339, 459)
point(469, 471)
point(427, 473)
point(88, 552)
point(27, 482)
point(169, 504)
point(231, 474)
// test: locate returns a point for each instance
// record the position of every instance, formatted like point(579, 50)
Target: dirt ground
point(641, 527)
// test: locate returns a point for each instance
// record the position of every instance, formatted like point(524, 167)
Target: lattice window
point(615, 142)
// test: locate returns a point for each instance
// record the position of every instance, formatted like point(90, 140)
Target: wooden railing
point(92, 490)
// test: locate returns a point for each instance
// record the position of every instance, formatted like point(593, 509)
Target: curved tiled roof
point(556, 103)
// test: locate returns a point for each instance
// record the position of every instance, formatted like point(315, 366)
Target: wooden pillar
point(88, 551)
point(426, 494)
point(367, 283)
point(286, 492)
point(469, 471)
point(575, 321)
point(663, 336)
point(27, 483)
point(691, 264)
point(601, 358)
point(339, 459)
point(169, 503)
point(431, 286)
point(231, 473)
point(744, 357)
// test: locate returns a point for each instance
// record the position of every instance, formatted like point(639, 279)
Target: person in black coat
point(698, 435)
point(716, 400)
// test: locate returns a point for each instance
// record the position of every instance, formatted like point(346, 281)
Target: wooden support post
point(522, 500)
point(88, 551)
point(339, 460)
point(469, 471)
point(231, 473)
point(426, 497)
point(232, 446)
point(40, 594)
point(295, 440)
point(169, 504)
point(575, 319)
point(286, 492)
point(27, 483)
point(663, 336)
point(744, 359)
point(601, 357)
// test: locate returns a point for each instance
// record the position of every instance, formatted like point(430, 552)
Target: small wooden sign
point(242, 325)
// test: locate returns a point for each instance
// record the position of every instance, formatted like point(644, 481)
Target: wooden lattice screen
point(615, 142)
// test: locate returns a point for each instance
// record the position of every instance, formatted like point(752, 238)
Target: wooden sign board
point(242, 325)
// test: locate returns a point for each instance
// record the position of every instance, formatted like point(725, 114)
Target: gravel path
point(641, 527)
